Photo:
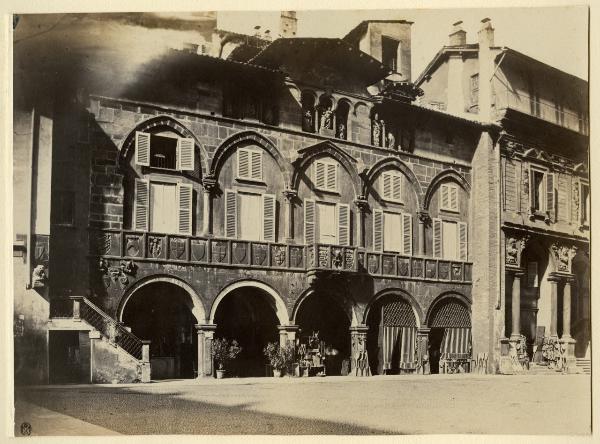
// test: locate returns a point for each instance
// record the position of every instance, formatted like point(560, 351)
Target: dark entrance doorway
point(161, 312)
point(322, 314)
point(449, 337)
point(248, 316)
point(391, 338)
point(69, 357)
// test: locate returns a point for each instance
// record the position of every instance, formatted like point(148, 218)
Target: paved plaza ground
point(541, 404)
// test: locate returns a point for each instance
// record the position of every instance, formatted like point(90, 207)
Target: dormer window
point(165, 151)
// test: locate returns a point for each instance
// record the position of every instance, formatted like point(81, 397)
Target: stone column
point(362, 206)
point(423, 349)
point(515, 334)
point(287, 333)
point(205, 338)
point(290, 196)
point(209, 184)
point(424, 221)
point(146, 369)
point(553, 305)
point(568, 343)
point(359, 362)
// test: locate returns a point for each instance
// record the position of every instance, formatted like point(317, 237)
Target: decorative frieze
point(512, 148)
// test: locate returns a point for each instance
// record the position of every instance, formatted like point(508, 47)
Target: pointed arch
point(252, 137)
point(325, 148)
point(444, 175)
point(391, 161)
point(167, 122)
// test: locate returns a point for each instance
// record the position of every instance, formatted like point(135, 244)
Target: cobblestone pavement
point(378, 405)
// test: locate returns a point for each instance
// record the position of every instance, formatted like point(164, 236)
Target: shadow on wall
point(178, 415)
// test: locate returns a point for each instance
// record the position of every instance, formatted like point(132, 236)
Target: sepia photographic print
point(301, 222)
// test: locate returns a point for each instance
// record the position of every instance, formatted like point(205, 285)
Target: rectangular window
point(163, 207)
point(541, 187)
point(65, 208)
point(249, 164)
point(249, 216)
point(449, 197)
point(585, 204)
point(325, 176)
point(450, 240)
point(537, 186)
point(475, 89)
point(391, 186)
point(392, 232)
point(389, 53)
point(327, 223)
point(164, 151)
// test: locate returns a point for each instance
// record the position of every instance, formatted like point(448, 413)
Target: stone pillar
point(362, 206)
point(424, 221)
point(423, 350)
point(205, 338)
point(209, 184)
point(146, 369)
point(290, 196)
point(359, 358)
point(515, 334)
point(77, 307)
point(567, 342)
point(553, 305)
point(287, 333)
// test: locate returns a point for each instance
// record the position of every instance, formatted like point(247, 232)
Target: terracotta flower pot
point(277, 373)
point(220, 374)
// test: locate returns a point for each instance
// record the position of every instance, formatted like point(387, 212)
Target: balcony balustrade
point(235, 253)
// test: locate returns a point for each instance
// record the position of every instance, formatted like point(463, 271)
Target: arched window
point(308, 112)
point(341, 120)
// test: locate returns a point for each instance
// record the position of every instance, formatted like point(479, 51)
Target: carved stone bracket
point(514, 245)
point(424, 217)
point(563, 255)
point(290, 195)
point(362, 204)
point(209, 183)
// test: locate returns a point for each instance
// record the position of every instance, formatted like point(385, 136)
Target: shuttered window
point(142, 193)
point(406, 233)
point(142, 148)
point(450, 240)
point(184, 194)
point(391, 186)
point(377, 230)
point(541, 191)
point(185, 154)
point(550, 198)
point(437, 237)
point(343, 213)
point(309, 221)
point(268, 217)
point(230, 214)
point(449, 197)
point(462, 241)
point(325, 175)
point(392, 232)
point(249, 164)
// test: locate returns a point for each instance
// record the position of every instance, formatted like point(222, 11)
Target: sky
point(557, 36)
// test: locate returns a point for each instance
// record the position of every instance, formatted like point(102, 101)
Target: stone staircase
point(584, 365)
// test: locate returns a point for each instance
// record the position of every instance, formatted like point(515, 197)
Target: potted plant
point(279, 357)
point(222, 352)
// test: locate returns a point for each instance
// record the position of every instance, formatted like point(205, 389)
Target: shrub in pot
point(223, 352)
point(279, 357)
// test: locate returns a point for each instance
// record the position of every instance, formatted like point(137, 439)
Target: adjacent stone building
point(266, 190)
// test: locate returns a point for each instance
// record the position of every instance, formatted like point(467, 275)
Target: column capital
point(424, 217)
point(360, 328)
point(288, 327)
point(515, 271)
point(209, 183)
point(362, 204)
point(290, 194)
point(205, 327)
point(423, 330)
point(557, 277)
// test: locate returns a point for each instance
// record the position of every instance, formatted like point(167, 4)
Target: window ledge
point(397, 202)
point(248, 181)
point(449, 210)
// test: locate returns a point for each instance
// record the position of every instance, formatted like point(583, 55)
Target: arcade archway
point(162, 313)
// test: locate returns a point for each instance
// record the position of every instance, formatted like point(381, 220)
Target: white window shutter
point(397, 187)
point(243, 158)
point(550, 193)
point(256, 165)
point(142, 148)
point(332, 177)
point(185, 154)
point(407, 233)
point(309, 221)
point(320, 175)
point(377, 230)
point(269, 202)
point(231, 214)
point(437, 237)
point(142, 198)
point(386, 179)
point(462, 241)
point(184, 195)
point(444, 198)
point(453, 197)
point(343, 213)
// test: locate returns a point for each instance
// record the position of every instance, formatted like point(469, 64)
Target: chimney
point(288, 24)
point(486, 34)
point(458, 36)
